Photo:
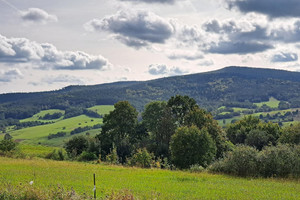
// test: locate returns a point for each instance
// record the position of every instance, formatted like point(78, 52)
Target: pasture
point(143, 183)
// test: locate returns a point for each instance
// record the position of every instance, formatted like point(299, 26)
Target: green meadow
point(273, 103)
point(38, 134)
point(143, 183)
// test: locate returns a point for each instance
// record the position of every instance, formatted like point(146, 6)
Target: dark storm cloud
point(134, 28)
point(271, 8)
point(46, 56)
point(238, 47)
point(284, 57)
point(152, 1)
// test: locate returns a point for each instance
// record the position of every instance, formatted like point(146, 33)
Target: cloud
point(134, 28)
point(207, 63)
point(152, 1)
point(284, 57)
point(46, 56)
point(37, 15)
point(238, 47)
point(185, 55)
point(214, 26)
point(288, 35)
point(9, 75)
point(271, 8)
point(63, 78)
point(159, 69)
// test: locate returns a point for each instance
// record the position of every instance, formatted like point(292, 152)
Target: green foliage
point(180, 107)
point(190, 146)
point(250, 130)
point(196, 168)
point(291, 134)
point(7, 146)
point(281, 161)
point(119, 126)
point(272, 161)
point(75, 146)
point(87, 156)
point(142, 158)
point(113, 157)
point(59, 154)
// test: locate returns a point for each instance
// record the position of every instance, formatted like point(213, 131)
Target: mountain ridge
point(212, 89)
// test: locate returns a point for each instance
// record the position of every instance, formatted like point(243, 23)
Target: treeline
point(179, 134)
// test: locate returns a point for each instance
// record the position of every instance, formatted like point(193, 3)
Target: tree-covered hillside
point(240, 86)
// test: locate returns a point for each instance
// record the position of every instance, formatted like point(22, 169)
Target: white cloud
point(46, 56)
point(9, 75)
point(37, 15)
point(160, 69)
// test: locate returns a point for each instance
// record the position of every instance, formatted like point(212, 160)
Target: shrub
point(281, 161)
point(196, 168)
point(57, 155)
point(243, 161)
point(190, 146)
point(87, 156)
point(142, 158)
point(7, 146)
point(76, 146)
point(113, 158)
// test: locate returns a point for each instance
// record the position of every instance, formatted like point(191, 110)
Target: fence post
point(94, 186)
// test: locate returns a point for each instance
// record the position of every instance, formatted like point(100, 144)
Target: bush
point(281, 161)
point(7, 146)
point(87, 156)
point(113, 158)
point(142, 158)
point(272, 161)
point(196, 168)
point(243, 161)
point(190, 146)
point(57, 155)
point(76, 146)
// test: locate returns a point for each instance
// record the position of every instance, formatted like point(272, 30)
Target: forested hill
point(230, 85)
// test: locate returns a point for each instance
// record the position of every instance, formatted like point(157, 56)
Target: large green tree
point(119, 126)
point(160, 123)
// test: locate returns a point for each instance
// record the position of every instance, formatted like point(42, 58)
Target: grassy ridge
point(144, 183)
point(43, 113)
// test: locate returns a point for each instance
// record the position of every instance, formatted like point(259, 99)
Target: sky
point(48, 45)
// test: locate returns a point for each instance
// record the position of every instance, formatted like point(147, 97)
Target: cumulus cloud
point(152, 1)
point(160, 69)
point(134, 28)
point(284, 57)
point(185, 55)
point(289, 35)
point(9, 75)
point(214, 26)
point(46, 56)
point(238, 47)
point(271, 8)
point(37, 15)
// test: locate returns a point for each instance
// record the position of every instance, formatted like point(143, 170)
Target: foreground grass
point(143, 183)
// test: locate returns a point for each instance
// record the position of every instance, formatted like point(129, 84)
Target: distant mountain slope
point(210, 89)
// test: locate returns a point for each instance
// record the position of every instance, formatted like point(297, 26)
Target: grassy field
point(143, 183)
point(38, 134)
point(273, 103)
point(43, 113)
point(102, 110)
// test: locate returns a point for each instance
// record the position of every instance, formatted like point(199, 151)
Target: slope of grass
point(143, 183)
point(43, 113)
point(38, 134)
point(273, 103)
point(102, 110)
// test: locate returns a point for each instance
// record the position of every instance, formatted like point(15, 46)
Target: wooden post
point(94, 186)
